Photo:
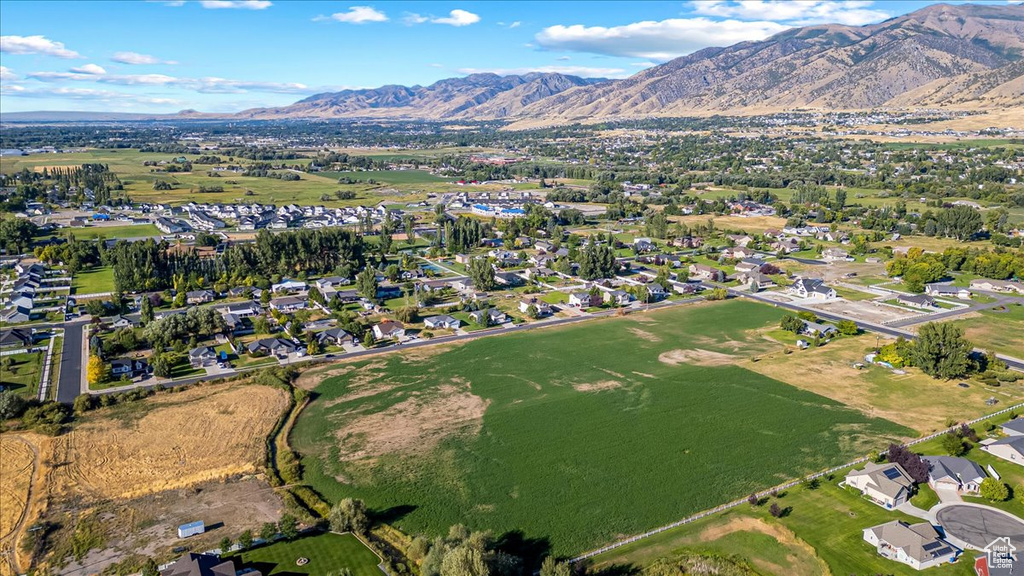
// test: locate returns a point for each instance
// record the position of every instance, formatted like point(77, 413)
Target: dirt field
point(18, 463)
point(180, 439)
point(749, 225)
point(866, 311)
point(912, 399)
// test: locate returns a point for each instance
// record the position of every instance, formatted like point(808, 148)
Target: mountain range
point(960, 56)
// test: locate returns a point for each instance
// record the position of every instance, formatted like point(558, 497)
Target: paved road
point(69, 383)
point(977, 526)
point(973, 307)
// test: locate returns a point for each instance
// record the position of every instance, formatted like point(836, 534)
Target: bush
point(994, 490)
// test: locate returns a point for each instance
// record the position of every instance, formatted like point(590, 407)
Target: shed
point(191, 529)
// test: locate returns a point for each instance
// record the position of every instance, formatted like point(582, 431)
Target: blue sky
point(227, 55)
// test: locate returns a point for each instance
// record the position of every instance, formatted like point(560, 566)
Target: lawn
point(327, 553)
point(389, 176)
point(534, 431)
point(96, 280)
point(112, 232)
point(1000, 329)
point(24, 373)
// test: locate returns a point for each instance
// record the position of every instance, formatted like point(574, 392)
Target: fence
point(764, 493)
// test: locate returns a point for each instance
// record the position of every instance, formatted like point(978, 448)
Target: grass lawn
point(93, 281)
point(1000, 329)
point(533, 431)
point(112, 232)
point(326, 552)
point(851, 294)
point(23, 375)
point(389, 176)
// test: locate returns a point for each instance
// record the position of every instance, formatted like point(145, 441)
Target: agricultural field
point(458, 434)
point(327, 553)
point(389, 176)
point(1000, 329)
point(913, 399)
point(97, 280)
point(111, 232)
point(24, 373)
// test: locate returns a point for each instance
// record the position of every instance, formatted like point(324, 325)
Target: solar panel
point(932, 545)
point(892, 473)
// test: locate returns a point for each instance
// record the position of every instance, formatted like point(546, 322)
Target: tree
point(953, 444)
point(146, 311)
point(349, 515)
point(312, 344)
point(96, 370)
point(11, 405)
point(792, 324)
point(532, 312)
point(847, 327)
point(960, 222)
point(775, 510)
point(225, 545)
point(914, 465)
point(549, 567)
point(150, 568)
point(941, 350)
point(245, 540)
point(288, 526)
point(717, 294)
point(753, 500)
point(83, 403)
point(993, 490)
point(482, 274)
point(464, 560)
point(268, 531)
point(366, 283)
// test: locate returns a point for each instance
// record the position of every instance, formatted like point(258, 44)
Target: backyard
point(327, 553)
point(97, 280)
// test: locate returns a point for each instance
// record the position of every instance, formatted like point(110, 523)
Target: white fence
point(768, 492)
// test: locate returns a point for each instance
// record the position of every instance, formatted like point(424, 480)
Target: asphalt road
point(69, 383)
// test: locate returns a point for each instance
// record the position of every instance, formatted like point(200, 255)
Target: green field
point(1000, 329)
point(112, 232)
point(578, 435)
point(326, 552)
point(24, 373)
point(94, 281)
point(389, 176)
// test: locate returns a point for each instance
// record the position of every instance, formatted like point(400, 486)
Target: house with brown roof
point(916, 545)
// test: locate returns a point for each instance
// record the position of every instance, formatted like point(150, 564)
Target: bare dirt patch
point(697, 357)
point(419, 422)
point(866, 310)
point(802, 558)
point(598, 386)
point(195, 436)
point(644, 335)
point(19, 469)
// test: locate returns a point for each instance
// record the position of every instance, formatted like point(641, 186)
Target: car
point(329, 356)
point(964, 385)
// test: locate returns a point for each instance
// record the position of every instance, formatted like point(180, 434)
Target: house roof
point(916, 299)
point(1014, 442)
point(441, 319)
point(1015, 425)
point(959, 469)
point(918, 541)
point(200, 565)
point(15, 336)
point(200, 351)
point(888, 479)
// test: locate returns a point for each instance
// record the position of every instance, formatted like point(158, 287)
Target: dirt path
point(9, 541)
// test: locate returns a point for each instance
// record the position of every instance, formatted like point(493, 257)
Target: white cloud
point(456, 18)
point(654, 40)
point(435, 65)
point(63, 92)
point(515, 24)
point(89, 69)
point(35, 45)
point(6, 75)
point(236, 4)
point(206, 85)
point(564, 58)
point(581, 71)
point(644, 64)
point(356, 15)
point(796, 12)
point(134, 58)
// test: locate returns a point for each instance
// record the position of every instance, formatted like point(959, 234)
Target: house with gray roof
point(916, 300)
point(887, 485)
point(1010, 448)
point(203, 565)
point(442, 322)
point(1013, 427)
point(812, 288)
point(959, 474)
point(916, 545)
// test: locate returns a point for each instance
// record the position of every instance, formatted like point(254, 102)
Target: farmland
point(110, 232)
point(458, 435)
point(327, 553)
point(1000, 329)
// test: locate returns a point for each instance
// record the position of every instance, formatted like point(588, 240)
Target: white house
point(444, 322)
point(887, 485)
point(1010, 448)
point(812, 288)
point(388, 329)
point(916, 545)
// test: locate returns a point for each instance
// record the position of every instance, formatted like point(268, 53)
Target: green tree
point(717, 294)
point(225, 545)
point(960, 222)
point(847, 327)
point(791, 323)
point(366, 283)
point(83, 403)
point(349, 515)
point(268, 531)
point(288, 526)
point(993, 490)
point(549, 567)
point(482, 273)
point(953, 444)
point(146, 310)
point(941, 350)
point(245, 539)
point(150, 568)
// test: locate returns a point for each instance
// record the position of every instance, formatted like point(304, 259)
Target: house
point(786, 245)
point(242, 309)
point(656, 291)
point(812, 288)
point(643, 245)
point(464, 285)
point(997, 285)
point(121, 322)
point(947, 291)
point(15, 338)
point(128, 367)
point(203, 565)
point(584, 300)
point(289, 286)
point(738, 253)
point(916, 300)
point(199, 296)
point(202, 356)
point(507, 279)
point(271, 347)
point(488, 317)
point(959, 474)
point(335, 336)
point(887, 485)
point(685, 288)
point(542, 307)
point(916, 545)
point(740, 239)
point(818, 329)
point(330, 282)
point(706, 272)
point(749, 265)
point(443, 322)
point(835, 255)
point(756, 280)
point(463, 259)
point(1010, 448)
point(288, 304)
point(617, 297)
point(1013, 427)
point(388, 329)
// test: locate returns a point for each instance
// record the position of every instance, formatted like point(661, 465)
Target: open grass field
point(577, 435)
point(170, 441)
point(327, 553)
point(913, 399)
point(96, 280)
point(1000, 329)
point(112, 232)
point(389, 176)
point(821, 534)
point(24, 373)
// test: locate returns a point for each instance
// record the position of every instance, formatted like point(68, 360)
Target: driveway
point(948, 495)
